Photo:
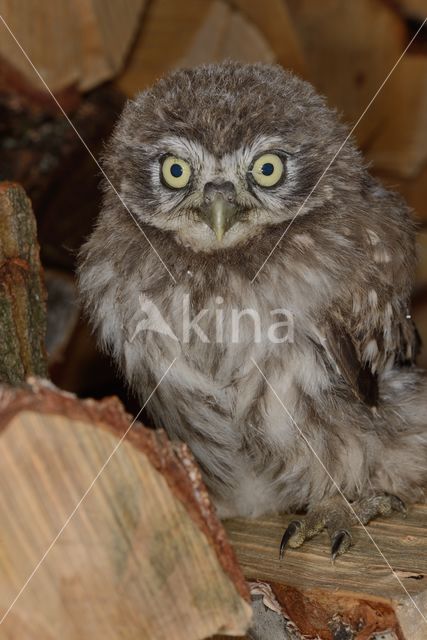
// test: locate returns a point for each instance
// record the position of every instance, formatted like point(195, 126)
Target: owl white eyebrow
point(261, 144)
point(178, 145)
point(264, 144)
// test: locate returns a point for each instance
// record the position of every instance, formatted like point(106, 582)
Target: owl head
point(217, 154)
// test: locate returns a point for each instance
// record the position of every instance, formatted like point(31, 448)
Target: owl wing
point(360, 355)
point(369, 330)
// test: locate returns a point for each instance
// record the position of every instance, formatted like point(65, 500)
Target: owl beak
point(220, 208)
point(220, 217)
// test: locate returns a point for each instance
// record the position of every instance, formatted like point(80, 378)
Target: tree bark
point(22, 292)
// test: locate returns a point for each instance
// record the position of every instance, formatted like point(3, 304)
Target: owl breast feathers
point(225, 217)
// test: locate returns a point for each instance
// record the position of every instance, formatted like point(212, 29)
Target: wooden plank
point(143, 556)
point(359, 587)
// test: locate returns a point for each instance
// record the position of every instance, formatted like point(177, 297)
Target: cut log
point(412, 8)
point(22, 293)
point(138, 551)
point(167, 29)
point(359, 592)
point(107, 30)
point(226, 34)
point(340, 41)
point(80, 43)
point(175, 34)
point(400, 145)
point(48, 34)
point(278, 30)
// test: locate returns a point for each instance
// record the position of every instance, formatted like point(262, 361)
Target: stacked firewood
point(149, 514)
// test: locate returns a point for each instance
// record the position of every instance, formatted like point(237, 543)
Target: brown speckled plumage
point(344, 269)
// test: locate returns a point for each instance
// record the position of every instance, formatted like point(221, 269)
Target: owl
point(229, 205)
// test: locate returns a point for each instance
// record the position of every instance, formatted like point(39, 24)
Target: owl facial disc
point(219, 211)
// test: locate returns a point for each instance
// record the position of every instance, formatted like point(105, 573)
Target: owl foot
point(337, 518)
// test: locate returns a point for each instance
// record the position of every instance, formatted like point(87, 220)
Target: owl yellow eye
point(267, 170)
point(176, 172)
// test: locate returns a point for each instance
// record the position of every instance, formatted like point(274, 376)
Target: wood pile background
point(93, 54)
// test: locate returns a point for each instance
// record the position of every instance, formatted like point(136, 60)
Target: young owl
point(213, 165)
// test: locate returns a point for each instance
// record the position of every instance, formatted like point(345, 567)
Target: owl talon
point(381, 505)
point(337, 516)
point(293, 537)
point(397, 504)
point(341, 543)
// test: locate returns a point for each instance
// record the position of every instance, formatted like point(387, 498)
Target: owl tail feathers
point(402, 465)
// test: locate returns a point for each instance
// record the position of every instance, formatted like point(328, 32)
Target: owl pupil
point(267, 169)
point(176, 170)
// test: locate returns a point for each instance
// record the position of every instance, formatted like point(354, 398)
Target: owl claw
point(337, 516)
point(397, 504)
point(293, 532)
point(341, 542)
